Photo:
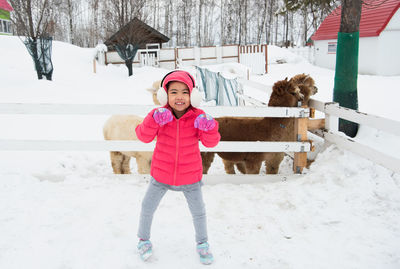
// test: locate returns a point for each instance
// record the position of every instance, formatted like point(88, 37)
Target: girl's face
point(178, 97)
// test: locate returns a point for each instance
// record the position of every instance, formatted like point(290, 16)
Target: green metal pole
point(345, 89)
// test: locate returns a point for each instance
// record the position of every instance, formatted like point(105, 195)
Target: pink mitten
point(204, 122)
point(162, 116)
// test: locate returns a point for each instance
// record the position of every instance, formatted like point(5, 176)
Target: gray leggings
point(194, 198)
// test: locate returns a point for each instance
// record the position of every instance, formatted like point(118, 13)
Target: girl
point(176, 164)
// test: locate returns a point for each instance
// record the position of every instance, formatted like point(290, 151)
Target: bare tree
point(209, 22)
point(230, 22)
point(199, 25)
point(171, 20)
point(304, 12)
point(71, 13)
point(125, 10)
point(95, 28)
point(241, 19)
point(33, 19)
point(271, 4)
point(261, 15)
point(166, 18)
point(186, 17)
point(222, 21)
point(240, 2)
point(186, 22)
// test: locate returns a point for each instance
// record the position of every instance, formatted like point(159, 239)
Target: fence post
point(300, 132)
point(197, 55)
point(331, 122)
point(176, 57)
point(94, 66)
point(266, 58)
point(238, 53)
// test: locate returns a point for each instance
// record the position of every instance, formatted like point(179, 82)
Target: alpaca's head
point(153, 90)
point(307, 92)
point(306, 81)
point(286, 94)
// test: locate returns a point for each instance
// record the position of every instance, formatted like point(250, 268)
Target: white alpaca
point(122, 127)
point(153, 90)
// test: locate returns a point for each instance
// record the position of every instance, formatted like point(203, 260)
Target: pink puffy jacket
point(176, 159)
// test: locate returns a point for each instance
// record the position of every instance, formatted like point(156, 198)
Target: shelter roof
point(137, 32)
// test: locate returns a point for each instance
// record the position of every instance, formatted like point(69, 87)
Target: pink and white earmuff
point(181, 76)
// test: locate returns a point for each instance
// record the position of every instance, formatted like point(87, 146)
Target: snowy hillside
point(68, 210)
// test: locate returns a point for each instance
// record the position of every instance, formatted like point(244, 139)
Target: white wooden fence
point(95, 109)
point(149, 57)
point(300, 148)
point(307, 52)
point(253, 56)
point(330, 133)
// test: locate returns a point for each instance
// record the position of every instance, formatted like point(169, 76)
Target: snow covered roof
point(4, 5)
point(374, 19)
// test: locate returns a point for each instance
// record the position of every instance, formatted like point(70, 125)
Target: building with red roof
point(5, 24)
point(379, 52)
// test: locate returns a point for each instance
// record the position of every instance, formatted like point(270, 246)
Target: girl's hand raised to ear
point(204, 122)
point(162, 116)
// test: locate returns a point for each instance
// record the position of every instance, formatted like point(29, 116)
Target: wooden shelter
point(137, 33)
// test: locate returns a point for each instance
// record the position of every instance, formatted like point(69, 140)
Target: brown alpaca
point(304, 80)
point(122, 127)
point(284, 93)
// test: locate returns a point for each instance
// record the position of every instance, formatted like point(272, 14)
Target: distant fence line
point(307, 52)
point(253, 56)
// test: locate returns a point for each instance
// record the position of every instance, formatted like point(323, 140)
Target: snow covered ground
point(68, 210)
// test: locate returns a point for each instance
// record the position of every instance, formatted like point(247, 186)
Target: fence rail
point(210, 179)
point(122, 145)
point(377, 122)
point(109, 109)
point(331, 134)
